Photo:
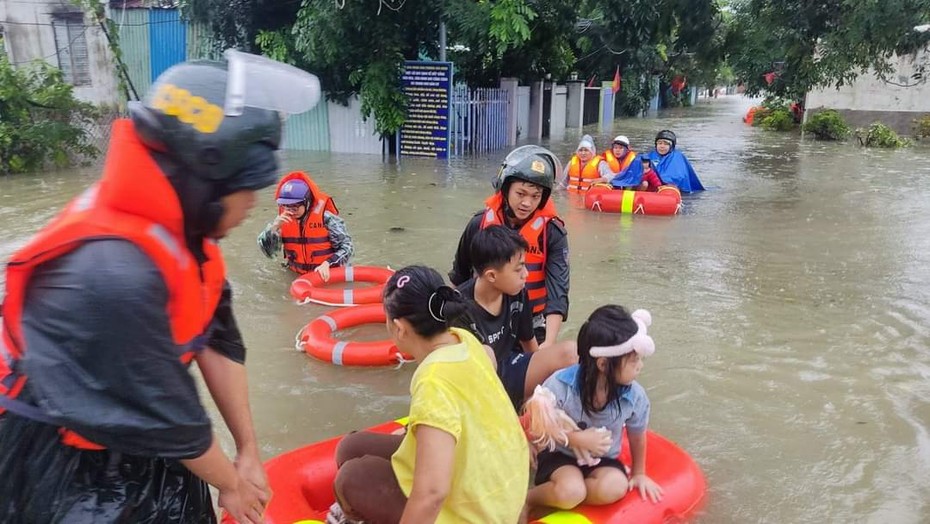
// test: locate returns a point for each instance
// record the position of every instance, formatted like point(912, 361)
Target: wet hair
point(608, 325)
point(494, 246)
point(419, 295)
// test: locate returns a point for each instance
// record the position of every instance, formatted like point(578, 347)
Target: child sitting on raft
point(600, 392)
point(649, 180)
point(501, 315)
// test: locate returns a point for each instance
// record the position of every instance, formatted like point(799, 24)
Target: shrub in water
point(778, 120)
point(880, 135)
point(827, 125)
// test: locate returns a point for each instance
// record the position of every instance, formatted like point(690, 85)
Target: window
point(71, 46)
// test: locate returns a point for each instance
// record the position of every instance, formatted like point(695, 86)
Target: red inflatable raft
point(302, 482)
point(309, 286)
point(665, 201)
point(316, 339)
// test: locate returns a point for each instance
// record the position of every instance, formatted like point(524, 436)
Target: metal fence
point(478, 120)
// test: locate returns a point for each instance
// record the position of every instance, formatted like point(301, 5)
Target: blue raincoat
point(675, 169)
point(631, 176)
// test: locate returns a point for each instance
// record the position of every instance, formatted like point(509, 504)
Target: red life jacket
point(133, 201)
point(579, 179)
point(616, 165)
point(306, 242)
point(535, 232)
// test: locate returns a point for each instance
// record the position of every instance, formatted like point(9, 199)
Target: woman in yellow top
point(464, 457)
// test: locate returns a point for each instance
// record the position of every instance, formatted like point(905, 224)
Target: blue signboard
point(428, 88)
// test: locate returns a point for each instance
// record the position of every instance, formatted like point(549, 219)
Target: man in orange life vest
point(586, 168)
point(107, 305)
point(523, 202)
point(308, 228)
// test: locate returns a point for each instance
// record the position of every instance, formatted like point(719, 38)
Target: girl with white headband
point(600, 392)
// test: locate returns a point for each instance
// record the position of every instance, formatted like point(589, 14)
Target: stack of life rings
point(317, 337)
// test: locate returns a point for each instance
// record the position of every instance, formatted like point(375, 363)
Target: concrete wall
point(29, 35)
point(348, 131)
point(869, 99)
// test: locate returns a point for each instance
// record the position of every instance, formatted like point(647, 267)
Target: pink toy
point(546, 425)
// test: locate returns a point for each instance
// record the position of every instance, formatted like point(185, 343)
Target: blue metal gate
point(479, 120)
point(167, 39)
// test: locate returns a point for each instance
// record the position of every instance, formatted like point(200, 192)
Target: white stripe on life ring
point(347, 297)
point(338, 349)
point(349, 274)
point(329, 322)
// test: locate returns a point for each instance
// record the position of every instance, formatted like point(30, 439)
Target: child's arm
point(638, 478)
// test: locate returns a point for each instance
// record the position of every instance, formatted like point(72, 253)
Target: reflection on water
point(790, 306)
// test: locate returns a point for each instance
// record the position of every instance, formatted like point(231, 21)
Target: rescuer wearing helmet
point(308, 228)
point(523, 202)
point(108, 304)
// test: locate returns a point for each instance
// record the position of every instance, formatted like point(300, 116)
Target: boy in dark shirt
point(501, 316)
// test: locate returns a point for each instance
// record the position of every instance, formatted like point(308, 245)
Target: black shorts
point(512, 371)
point(549, 461)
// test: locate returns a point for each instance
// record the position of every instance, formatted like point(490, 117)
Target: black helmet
point(183, 117)
point(205, 152)
point(665, 134)
point(533, 164)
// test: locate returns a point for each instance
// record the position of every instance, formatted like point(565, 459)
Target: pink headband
point(640, 342)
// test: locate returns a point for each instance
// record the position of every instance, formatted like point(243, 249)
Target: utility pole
point(442, 41)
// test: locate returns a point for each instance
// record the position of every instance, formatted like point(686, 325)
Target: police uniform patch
point(538, 167)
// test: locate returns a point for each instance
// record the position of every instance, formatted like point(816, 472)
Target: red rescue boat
point(664, 202)
point(302, 482)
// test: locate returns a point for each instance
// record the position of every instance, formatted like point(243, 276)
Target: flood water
point(790, 307)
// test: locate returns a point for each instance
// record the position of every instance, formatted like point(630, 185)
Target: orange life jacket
point(616, 165)
point(579, 179)
point(133, 201)
point(535, 233)
point(306, 242)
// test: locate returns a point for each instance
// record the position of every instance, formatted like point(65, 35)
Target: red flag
point(769, 78)
point(591, 82)
point(616, 85)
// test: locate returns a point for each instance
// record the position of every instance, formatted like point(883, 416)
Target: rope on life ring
point(316, 339)
point(309, 286)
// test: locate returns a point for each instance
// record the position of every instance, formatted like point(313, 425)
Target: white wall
point(349, 132)
point(868, 93)
point(27, 29)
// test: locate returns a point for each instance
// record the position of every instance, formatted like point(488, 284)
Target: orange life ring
point(308, 287)
point(316, 339)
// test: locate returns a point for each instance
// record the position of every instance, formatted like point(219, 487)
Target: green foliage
point(634, 98)
point(922, 126)
point(880, 135)
point(827, 125)
point(41, 122)
point(510, 23)
point(817, 44)
point(779, 119)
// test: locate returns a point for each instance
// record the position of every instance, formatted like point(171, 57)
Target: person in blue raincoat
point(671, 165)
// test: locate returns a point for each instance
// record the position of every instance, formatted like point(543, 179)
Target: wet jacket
point(102, 328)
point(547, 260)
point(135, 206)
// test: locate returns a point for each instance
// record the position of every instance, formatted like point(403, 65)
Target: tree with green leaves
point(41, 123)
point(784, 48)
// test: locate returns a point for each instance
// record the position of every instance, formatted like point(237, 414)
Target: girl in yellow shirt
point(464, 457)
